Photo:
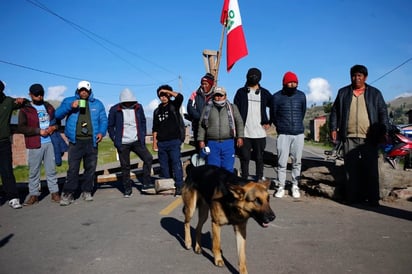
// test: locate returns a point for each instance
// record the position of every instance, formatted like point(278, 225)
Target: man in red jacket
point(36, 122)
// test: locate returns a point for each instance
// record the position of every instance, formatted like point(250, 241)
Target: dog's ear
point(237, 191)
point(266, 183)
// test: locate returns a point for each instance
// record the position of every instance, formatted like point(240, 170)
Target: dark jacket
point(195, 105)
point(29, 124)
point(288, 111)
point(7, 105)
point(60, 147)
point(375, 105)
point(165, 122)
point(241, 101)
point(115, 124)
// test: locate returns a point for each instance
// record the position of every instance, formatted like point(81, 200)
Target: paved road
point(144, 234)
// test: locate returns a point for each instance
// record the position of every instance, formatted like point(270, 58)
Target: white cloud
point(403, 95)
point(55, 93)
point(319, 90)
point(148, 110)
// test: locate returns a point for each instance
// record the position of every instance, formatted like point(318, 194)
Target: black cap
point(36, 90)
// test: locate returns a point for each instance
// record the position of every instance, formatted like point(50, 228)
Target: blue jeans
point(169, 152)
point(81, 150)
point(43, 154)
point(222, 154)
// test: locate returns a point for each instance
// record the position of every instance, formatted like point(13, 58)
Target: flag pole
point(219, 53)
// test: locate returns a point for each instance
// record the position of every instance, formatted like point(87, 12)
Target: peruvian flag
point(236, 42)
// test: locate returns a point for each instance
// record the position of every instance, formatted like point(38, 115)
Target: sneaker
point(87, 196)
point(280, 193)
point(15, 203)
point(178, 191)
point(66, 199)
point(148, 186)
point(128, 194)
point(31, 200)
point(295, 192)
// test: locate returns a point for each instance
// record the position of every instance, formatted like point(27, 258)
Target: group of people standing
point(227, 129)
point(221, 130)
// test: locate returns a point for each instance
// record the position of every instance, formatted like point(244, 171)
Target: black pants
point(362, 172)
point(252, 147)
point(81, 150)
point(124, 157)
point(6, 170)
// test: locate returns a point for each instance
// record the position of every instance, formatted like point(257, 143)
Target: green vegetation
point(107, 154)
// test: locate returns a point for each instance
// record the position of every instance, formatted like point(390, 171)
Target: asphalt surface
point(144, 234)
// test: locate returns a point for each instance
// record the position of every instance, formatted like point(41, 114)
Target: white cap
point(84, 84)
point(127, 96)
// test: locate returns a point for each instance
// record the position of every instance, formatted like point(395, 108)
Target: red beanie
point(289, 77)
point(208, 78)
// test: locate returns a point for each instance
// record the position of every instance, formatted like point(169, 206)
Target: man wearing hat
point(198, 99)
point(252, 101)
point(37, 123)
point(219, 127)
point(288, 108)
point(7, 106)
point(86, 125)
point(127, 130)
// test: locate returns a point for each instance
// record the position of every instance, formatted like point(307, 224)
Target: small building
point(315, 125)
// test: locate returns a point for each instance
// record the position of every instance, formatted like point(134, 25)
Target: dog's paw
point(198, 249)
point(219, 262)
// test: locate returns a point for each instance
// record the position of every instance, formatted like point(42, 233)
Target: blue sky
point(118, 44)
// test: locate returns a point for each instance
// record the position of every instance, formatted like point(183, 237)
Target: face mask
point(219, 103)
point(252, 80)
point(289, 91)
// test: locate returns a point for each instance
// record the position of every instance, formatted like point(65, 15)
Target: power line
point(392, 70)
point(89, 35)
point(77, 78)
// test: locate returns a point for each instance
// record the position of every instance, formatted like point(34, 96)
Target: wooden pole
point(219, 53)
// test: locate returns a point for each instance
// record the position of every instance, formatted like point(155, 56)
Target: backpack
point(179, 119)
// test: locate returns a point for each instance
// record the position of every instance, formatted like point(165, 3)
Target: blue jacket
point(287, 112)
point(115, 127)
point(97, 115)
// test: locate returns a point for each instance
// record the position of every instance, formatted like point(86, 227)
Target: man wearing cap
point(219, 126)
point(288, 108)
point(198, 99)
point(7, 106)
point(37, 123)
point(252, 101)
point(127, 130)
point(86, 125)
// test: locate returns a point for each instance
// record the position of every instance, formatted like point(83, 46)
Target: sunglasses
point(218, 95)
point(163, 94)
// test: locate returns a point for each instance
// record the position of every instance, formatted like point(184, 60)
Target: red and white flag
point(236, 42)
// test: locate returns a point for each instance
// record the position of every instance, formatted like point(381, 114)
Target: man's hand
point(99, 137)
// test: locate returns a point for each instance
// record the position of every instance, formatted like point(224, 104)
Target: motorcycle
point(398, 146)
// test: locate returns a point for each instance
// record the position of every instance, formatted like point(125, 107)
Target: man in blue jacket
point(127, 129)
point(288, 108)
point(86, 125)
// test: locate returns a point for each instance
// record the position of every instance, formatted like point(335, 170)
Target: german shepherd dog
point(231, 200)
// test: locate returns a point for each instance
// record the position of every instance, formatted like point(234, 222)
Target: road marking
point(171, 206)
